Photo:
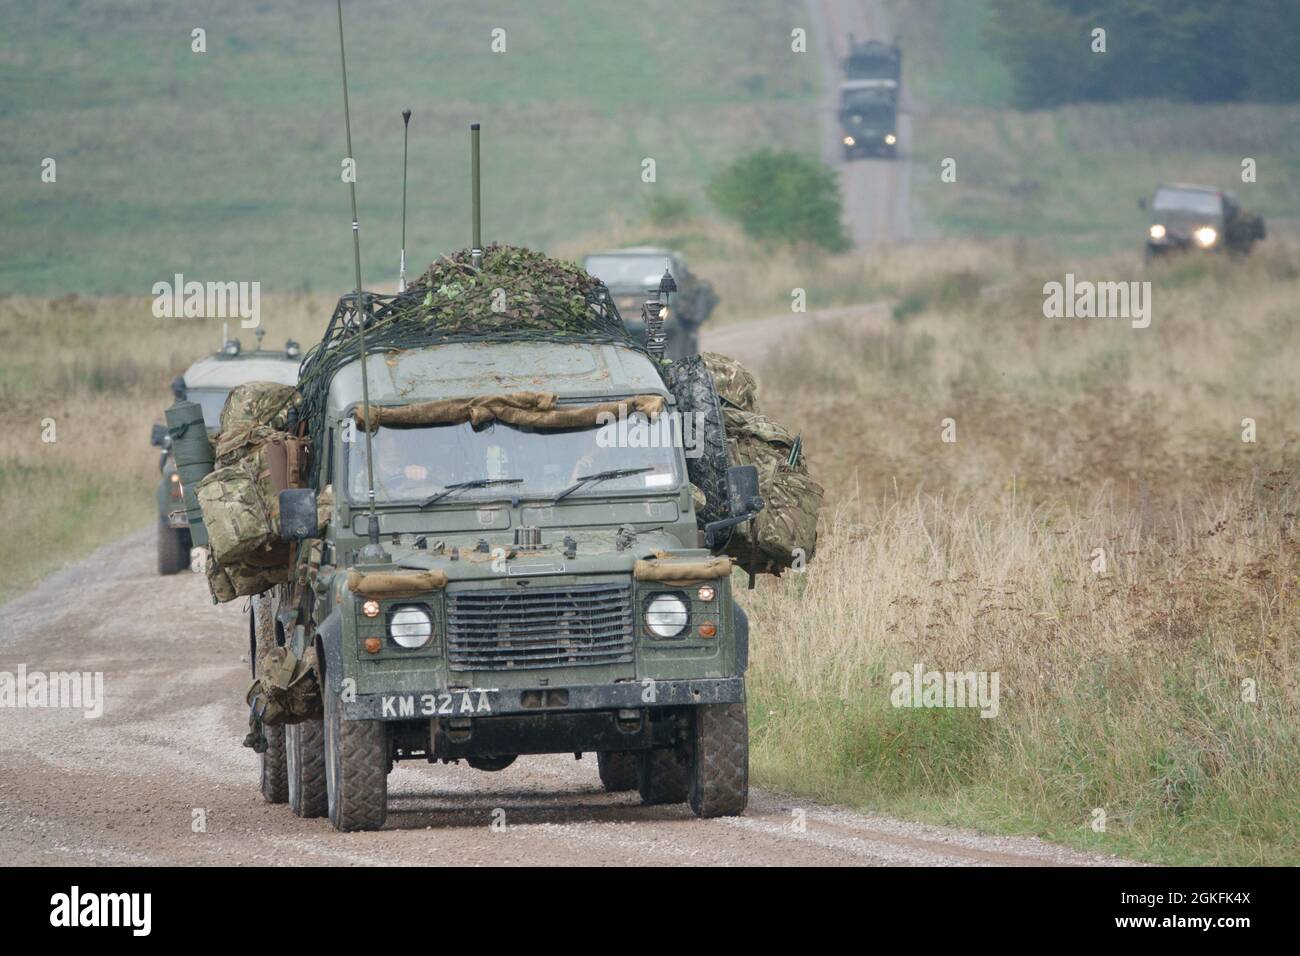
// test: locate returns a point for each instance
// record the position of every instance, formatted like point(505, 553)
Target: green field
point(226, 165)
point(1071, 177)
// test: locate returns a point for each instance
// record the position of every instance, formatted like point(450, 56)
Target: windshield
point(644, 272)
point(413, 464)
point(211, 401)
point(872, 105)
point(1188, 200)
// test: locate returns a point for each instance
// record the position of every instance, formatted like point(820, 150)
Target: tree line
point(1197, 50)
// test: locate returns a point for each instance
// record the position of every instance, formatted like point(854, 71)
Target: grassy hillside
point(1121, 686)
point(226, 165)
point(1071, 177)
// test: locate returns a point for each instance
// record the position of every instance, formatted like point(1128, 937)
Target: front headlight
point(1157, 231)
point(1205, 237)
point(849, 141)
point(410, 627)
point(890, 139)
point(666, 615)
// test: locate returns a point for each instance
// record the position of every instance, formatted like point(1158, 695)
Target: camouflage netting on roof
point(515, 295)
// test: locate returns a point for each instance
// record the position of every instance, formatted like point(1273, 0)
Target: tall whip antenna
point(372, 551)
point(476, 250)
point(406, 129)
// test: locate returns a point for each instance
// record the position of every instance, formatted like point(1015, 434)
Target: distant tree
point(781, 196)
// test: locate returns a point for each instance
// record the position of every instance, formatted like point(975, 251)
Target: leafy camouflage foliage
point(515, 288)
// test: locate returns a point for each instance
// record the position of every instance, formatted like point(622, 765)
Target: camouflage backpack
point(785, 531)
point(258, 403)
point(736, 384)
point(287, 692)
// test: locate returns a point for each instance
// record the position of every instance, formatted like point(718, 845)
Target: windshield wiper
point(602, 476)
point(460, 485)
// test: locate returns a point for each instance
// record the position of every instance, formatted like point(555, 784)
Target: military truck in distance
point(1187, 217)
point(868, 109)
point(630, 273)
point(208, 381)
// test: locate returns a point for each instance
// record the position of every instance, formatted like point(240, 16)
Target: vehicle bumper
point(485, 702)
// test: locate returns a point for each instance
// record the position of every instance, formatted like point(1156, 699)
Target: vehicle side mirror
point(298, 514)
point(158, 436)
point(742, 490)
point(1142, 203)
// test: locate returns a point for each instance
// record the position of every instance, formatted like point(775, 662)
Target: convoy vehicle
point(1187, 217)
point(869, 95)
point(207, 382)
point(514, 589)
point(629, 273)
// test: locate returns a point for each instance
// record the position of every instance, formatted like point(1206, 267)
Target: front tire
point(356, 768)
point(720, 765)
point(173, 548)
point(305, 761)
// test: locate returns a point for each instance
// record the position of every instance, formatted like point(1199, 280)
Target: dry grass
point(100, 369)
point(1121, 690)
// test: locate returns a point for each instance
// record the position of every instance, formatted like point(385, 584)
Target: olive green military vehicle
point(208, 381)
point(629, 273)
point(523, 589)
point(869, 95)
point(1186, 217)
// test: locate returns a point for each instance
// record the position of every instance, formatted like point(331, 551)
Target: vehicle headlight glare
point(1205, 236)
point(1157, 231)
point(890, 139)
point(849, 141)
point(410, 627)
point(666, 615)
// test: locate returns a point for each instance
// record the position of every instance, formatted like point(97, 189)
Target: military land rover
point(207, 382)
point(629, 273)
point(482, 563)
point(1199, 218)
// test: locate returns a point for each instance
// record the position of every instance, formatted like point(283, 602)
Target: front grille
point(530, 628)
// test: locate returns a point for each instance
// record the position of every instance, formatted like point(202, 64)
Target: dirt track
point(125, 788)
point(876, 192)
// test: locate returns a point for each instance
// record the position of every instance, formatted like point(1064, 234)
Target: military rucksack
point(785, 531)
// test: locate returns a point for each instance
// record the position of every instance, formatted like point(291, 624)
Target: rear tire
point(274, 782)
point(664, 776)
point(305, 760)
point(274, 772)
point(617, 770)
point(719, 785)
point(173, 548)
point(356, 768)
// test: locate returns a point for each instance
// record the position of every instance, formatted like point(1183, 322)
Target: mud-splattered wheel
point(664, 776)
point(274, 775)
point(719, 785)
point(305, 763)
point(617, 770)
point(356, 768)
